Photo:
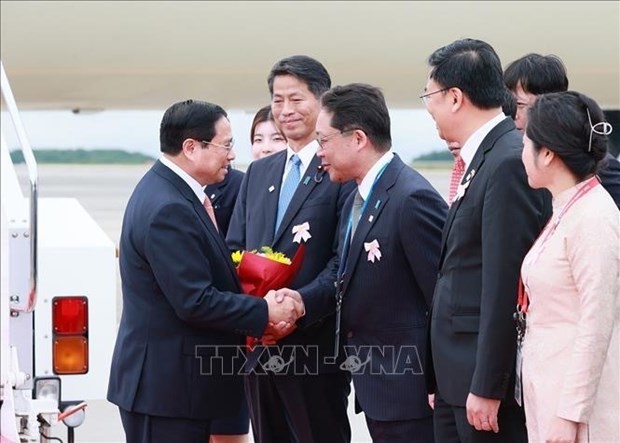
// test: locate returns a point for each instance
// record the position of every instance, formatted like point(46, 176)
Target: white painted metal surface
point(149, 54)
point(76, 258)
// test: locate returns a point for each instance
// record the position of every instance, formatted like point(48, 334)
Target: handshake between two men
point(285, 308)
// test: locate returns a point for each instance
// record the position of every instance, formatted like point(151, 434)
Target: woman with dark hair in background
point(571, 278)
point(265, 136)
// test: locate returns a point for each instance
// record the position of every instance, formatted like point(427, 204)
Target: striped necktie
point(356, 212)
point(288, 188)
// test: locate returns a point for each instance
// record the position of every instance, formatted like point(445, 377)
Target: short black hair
point(306, 69)
point(509, 107)
point(188, 119)
point(563, 122)
point(474, 67)
point(537, 74)
point(360, 106)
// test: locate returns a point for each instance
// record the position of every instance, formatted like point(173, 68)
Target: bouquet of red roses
point(266, 270)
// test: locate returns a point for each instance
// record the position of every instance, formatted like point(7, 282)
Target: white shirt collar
point(191, 182)
point(365, 186)
point(473, 142)
point(305, 154)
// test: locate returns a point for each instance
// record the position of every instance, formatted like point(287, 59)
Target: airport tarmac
point(103, 190)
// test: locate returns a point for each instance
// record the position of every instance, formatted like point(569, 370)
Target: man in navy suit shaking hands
point(390, 254)
point(184, 320)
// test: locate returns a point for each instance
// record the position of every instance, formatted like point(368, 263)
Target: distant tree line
point(119, 156)
point(84, 156)
point(441, 156)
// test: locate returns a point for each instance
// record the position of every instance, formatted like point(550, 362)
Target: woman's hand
point(431, 401)
point(562, 431)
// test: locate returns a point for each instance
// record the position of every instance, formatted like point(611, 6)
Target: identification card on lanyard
point(518, 382)
point(342, 269)
point(519, 317)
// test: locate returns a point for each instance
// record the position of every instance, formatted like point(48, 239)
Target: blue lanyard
point(347, 237)
point(342, 265)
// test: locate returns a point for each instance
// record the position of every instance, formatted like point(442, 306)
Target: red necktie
point(209, 208)
point(458, 169)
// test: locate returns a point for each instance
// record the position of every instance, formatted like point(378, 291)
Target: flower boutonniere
point(460, 191)
point(301, 233)
point(373, 250)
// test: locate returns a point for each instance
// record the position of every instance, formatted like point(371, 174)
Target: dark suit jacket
point(610, 177)
point(180, 299)
point(486, 236)
point(223, 196)
point(319, 204)
point(386, 302)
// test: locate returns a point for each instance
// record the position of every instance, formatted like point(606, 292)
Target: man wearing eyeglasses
point(184, 317)
point(535, 74)
point(389, 262)
point(491, 224)
point(280, 195)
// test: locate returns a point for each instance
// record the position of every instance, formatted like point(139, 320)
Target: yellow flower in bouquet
point(236, 257)
point(266, 252)
point(263, 270)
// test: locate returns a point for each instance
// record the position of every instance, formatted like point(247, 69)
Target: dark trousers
point(451, 425)
point(403, 431)
point(142, 428)
point(299, 408)
point(237, 424)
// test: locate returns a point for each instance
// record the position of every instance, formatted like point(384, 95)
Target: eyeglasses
point(321, 140)
point(227, 147)
point(425, 97)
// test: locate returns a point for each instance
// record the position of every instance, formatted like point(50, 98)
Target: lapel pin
point(307, 180)
point(377, 204)
point(460, 190)
point(272, 188)
point(374, 253)
point(370, 218)
point(212, 196)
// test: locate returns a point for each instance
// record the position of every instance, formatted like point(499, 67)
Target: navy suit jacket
point(223, 196)
point(316, 201)
point(486, 236)
point(180, 300)
point(386, 302)
point(610, 177)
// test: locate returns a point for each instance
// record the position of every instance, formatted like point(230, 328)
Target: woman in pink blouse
point(571, 277)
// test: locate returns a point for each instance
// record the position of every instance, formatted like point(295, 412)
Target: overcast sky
point(413, 131)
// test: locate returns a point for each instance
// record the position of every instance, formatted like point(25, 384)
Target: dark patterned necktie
point(356, 212)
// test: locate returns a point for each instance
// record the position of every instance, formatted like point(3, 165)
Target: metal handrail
point(33, 175)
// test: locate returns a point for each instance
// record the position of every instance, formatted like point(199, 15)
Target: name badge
point(518, 383)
